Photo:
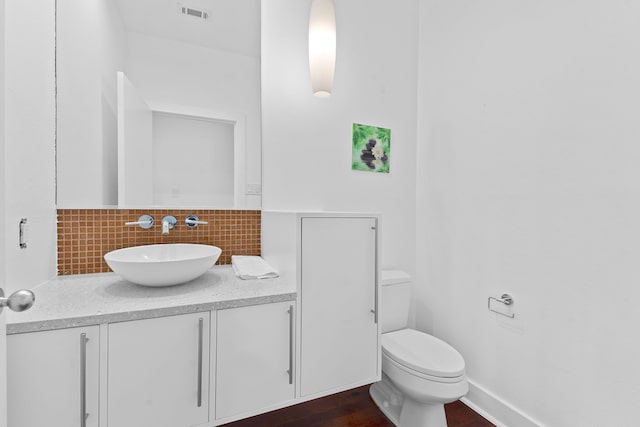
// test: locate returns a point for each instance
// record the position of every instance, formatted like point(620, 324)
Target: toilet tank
point(395, 299)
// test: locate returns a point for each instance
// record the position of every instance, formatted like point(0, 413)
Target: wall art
point(371, 148)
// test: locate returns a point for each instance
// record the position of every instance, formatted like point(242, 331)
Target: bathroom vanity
point(96, 350)
point(203, 353)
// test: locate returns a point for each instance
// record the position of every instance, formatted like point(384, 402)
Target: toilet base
point(403, 411)
point(389, 401)
point(415, 414)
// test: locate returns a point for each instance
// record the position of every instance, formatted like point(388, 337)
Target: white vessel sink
point(162, 265)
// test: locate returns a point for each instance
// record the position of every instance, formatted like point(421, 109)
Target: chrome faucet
point(168, 222)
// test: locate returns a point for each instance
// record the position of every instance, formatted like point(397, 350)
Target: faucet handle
point(145, 221)
point(193, 221)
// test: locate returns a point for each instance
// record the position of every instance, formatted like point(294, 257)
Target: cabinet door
point(254, 358)
point(339, 333)
point(48, 382)
point(158, 372)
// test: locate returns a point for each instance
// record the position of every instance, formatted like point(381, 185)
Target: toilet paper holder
point(505, 299)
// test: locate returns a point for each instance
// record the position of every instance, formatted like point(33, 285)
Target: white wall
point(172, 72)
point(86, 86)
point(307, 140)
point(29, 135)
point(528, 124)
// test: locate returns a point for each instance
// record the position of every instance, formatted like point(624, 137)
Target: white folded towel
point(252, 267)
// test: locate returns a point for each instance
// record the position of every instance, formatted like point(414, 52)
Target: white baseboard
point(495, 409)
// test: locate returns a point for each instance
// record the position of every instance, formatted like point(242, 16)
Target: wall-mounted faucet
point(168, 222)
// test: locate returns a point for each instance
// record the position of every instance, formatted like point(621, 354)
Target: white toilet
point(420, 373)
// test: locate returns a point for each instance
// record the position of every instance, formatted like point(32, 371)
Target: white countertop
point(92, 299)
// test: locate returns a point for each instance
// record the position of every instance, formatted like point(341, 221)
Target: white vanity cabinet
point(254, 358)
point(334, 259)
point(152, 357)
point(53, 378)
point(158, 372)
point(339, 334)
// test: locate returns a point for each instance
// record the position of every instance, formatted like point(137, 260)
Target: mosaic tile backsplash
point(85, 235)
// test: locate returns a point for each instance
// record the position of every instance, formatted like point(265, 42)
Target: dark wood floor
point(352, 408)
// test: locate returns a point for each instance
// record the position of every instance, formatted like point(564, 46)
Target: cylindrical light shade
point(322, 46)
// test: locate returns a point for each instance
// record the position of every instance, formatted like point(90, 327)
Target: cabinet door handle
point(200, 349)
point(290, 371)
point(375, 272)
point(83, 380)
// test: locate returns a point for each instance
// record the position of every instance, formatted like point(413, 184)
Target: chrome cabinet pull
point(375, 273)
point(83, 380)
point(291, 355)
point(200, 349)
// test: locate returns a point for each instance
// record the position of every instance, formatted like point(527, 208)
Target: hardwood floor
point(351, 408)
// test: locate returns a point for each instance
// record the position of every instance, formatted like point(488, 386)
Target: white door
point(3, 344)
point(3, 365)
point(3, 331)
point(3, 359)
point(30, 90)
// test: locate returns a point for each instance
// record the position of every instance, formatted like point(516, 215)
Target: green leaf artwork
point(371, 148)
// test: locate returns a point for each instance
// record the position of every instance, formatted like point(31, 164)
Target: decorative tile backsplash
point(85, 235)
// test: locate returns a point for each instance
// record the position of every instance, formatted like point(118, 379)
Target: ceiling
point(234, 25)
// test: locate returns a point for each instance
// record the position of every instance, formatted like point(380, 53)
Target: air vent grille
point(196, 13)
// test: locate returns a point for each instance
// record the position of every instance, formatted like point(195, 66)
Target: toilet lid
point(423, 353)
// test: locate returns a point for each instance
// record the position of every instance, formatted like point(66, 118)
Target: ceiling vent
point(195, 13)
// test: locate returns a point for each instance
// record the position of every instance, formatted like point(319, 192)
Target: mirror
point(192, 137)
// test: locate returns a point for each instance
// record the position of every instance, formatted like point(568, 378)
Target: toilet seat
point(424, 354)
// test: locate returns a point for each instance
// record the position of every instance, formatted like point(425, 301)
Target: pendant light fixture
point(322, 46)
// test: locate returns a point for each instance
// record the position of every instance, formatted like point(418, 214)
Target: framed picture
point(371, 148)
